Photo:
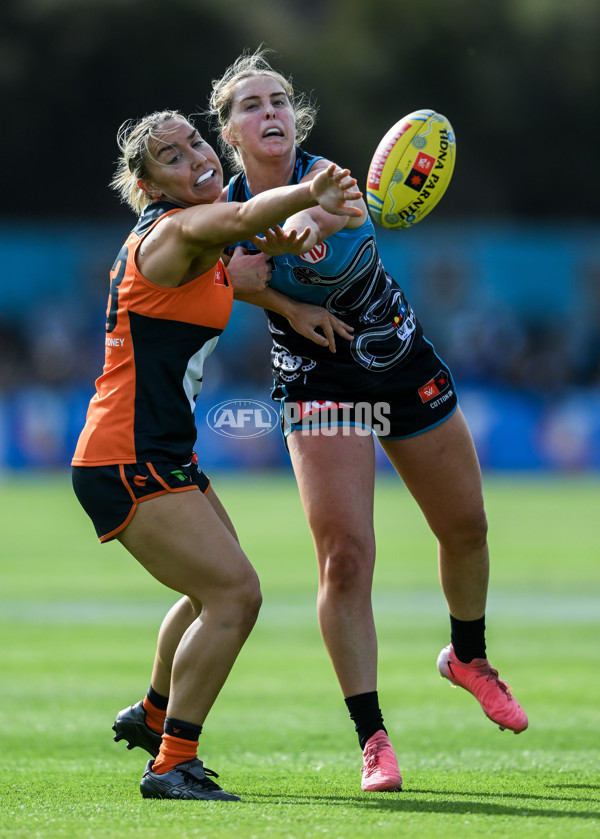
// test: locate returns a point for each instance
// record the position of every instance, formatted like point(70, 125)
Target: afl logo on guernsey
point(317, 254)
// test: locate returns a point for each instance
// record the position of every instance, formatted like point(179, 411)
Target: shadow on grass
point(405, 802)
point(577, 786)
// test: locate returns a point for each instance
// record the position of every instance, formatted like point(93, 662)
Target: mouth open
point(273, 132)
point(206, 176)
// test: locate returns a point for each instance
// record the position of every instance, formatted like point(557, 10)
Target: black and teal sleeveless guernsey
point(345, 275)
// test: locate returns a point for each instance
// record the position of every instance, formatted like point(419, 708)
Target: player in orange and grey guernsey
point(391, 369)
point(134, 469)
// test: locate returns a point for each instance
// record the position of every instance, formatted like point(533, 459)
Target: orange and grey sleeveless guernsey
point(157, 340)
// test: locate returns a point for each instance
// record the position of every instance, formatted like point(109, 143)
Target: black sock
point(468, 639)
point(366, 715)
point(183, 729)
point(157, 699)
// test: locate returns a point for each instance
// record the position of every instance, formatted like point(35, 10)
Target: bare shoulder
point(180, 247)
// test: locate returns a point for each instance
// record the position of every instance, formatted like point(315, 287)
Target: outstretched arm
point(193, 239)
point(217, 225)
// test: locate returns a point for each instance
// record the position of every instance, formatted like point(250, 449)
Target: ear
point(149, 189)
point(228, 136)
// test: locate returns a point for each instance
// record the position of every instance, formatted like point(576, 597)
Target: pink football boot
point(380, 771)
point(482, 681)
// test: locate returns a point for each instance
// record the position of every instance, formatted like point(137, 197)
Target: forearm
point(268, 298)
point(273, 206)
point(313, 322)
point(213, 227)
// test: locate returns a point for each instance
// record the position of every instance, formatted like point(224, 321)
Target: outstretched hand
point(278, 241)
point(307, 318)
point(333, 188)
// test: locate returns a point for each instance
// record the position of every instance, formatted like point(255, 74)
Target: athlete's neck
point(263, 175)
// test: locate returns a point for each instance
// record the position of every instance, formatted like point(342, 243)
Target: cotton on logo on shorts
point(241, 418)
point(434, 387)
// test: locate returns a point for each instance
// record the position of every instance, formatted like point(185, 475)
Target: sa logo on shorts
point(240, 418)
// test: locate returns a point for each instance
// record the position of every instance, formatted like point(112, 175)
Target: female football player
point(134, 469)
point(388, 365)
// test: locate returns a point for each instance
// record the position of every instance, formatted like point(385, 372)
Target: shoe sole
point(130, 733)
point(397, 788)
point(159, 794)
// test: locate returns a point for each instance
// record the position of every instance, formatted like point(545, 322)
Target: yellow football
point(411, 169)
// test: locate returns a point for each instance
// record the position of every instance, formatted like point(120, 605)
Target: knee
point(247, 601)
point(467, 532)
point(233, 605)
point(346, 564)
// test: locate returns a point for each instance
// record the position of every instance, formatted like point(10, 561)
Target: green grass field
point(77, 631)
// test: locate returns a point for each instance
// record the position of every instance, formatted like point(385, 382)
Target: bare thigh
point(441, 470)
point(336, 477)
point(220, 510)
point(184, 543)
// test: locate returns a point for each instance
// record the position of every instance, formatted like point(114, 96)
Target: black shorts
point(110, 494)
point(419, 396)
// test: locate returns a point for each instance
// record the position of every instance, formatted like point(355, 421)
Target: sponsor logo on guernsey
point(434, 387)
point(317, 254)
point(219, 275)
point(241, 418)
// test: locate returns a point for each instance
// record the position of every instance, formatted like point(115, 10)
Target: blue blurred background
point(504, 275)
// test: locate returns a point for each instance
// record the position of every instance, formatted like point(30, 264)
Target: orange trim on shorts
point(153, 472)
point(135, 501)
point(126, 483)
point(110, 536)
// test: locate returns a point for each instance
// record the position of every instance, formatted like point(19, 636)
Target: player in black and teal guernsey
point(387, 366)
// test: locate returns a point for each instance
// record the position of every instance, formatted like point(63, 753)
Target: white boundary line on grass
point(524, 607)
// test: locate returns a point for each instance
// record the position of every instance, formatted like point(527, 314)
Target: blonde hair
point(133, 139)
point(221, 99)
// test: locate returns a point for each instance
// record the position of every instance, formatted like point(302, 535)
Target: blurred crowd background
point(504, 274)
